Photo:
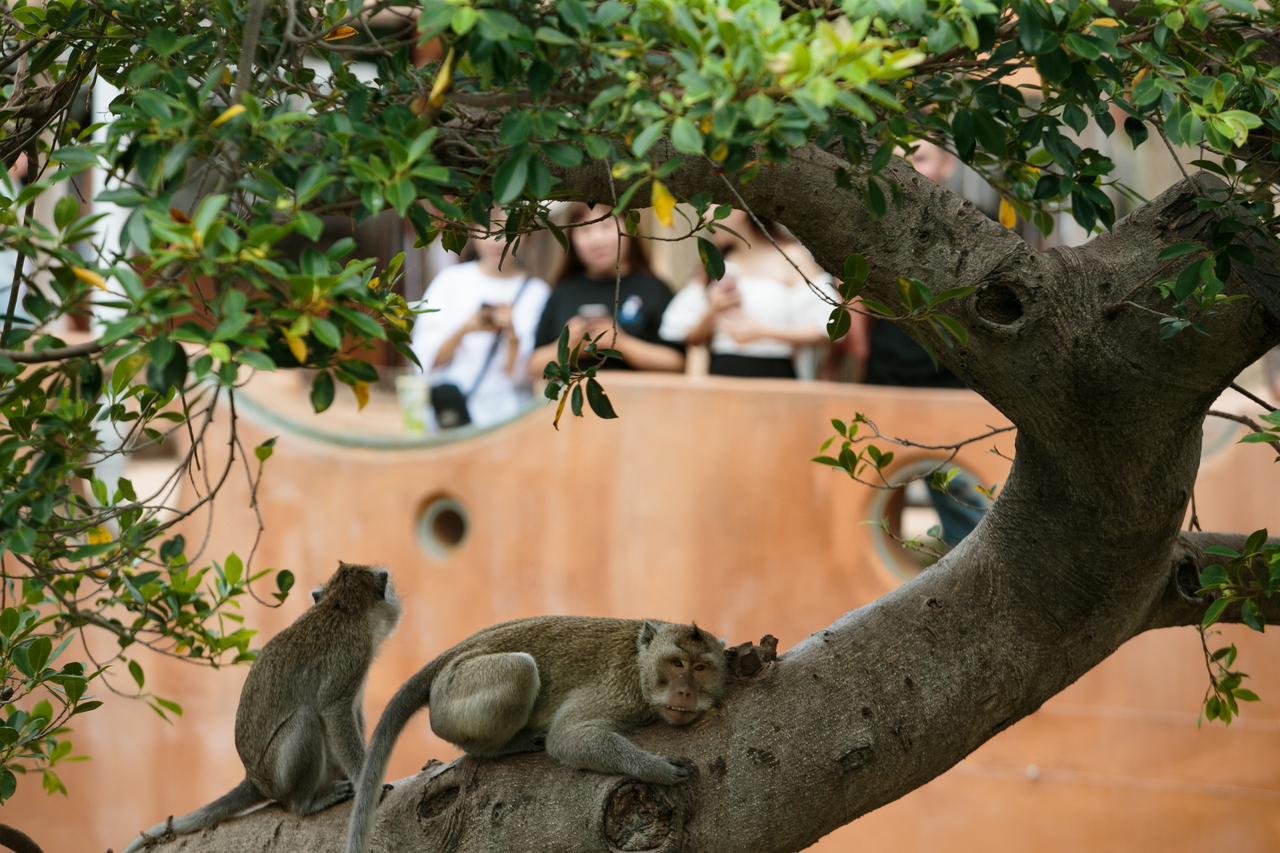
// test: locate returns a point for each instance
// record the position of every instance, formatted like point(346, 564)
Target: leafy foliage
point(1245, 579)
point(237, 128)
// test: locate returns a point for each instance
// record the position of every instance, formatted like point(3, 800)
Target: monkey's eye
point(677, 663)
point(699, 667)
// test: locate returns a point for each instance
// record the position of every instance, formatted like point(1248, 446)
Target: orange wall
point(699, 502)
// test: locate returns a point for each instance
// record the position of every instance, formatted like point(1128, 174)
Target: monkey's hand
point(665, 770)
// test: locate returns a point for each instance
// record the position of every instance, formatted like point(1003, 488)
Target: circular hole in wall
point(914, 510)
point(442, 526)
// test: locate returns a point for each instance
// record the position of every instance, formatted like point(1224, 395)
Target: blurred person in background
point(479, 337)
point(583, 299)
point(762, 312)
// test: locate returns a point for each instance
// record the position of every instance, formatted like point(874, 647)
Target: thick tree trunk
point(1080, 552)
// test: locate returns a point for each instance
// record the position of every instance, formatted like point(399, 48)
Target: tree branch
point(17, 841)
point(58, 354)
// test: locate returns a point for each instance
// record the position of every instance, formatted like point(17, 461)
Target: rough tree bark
point(1080, 552)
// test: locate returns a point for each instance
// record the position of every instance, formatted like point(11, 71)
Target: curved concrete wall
point(698, 503)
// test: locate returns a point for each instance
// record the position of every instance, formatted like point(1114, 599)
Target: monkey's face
point(682, 671)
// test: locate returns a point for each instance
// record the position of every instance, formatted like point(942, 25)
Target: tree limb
point(58, 354)
point(17, 841)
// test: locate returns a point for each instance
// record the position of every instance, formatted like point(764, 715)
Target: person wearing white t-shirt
point(760, 313)
point(476, 303)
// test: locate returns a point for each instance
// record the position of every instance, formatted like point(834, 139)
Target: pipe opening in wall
point(442, 526)
point(913, 512)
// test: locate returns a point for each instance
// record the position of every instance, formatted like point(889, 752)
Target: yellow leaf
point(297, 346)
point(721, 152)
point(419, 105)
point(227, 79)
point(1137, 78)
point(1104, 22)
point(664, 203)
point(374, 282)
point(89, 277)
point(98, 535)
point(443, 80)
point(705, 124)
point(340, 33)
point(228, 114)
point(1007, 217)
point(362, 393)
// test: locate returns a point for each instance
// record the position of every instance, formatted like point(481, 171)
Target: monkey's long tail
point(243, 796)
point(411, 697)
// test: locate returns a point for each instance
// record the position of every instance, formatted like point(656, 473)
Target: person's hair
point(771, 229)
point(637, 261)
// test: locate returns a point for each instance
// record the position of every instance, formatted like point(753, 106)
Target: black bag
point(447, 400)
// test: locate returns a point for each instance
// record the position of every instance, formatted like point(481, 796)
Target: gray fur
point(574, 685)
point(300, 724)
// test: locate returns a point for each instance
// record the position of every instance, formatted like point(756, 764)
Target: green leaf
point(1212, 576)
point(162, 41)
point(38, 653)
point(1178, 250)
point(233, 568)
point(685, 137)
point(1214, 612)
point(856, 268)
point(263, 451)
point(322, 391)
point(712, 260)
point(550, 36)
point(598, 400)
point(8, 621)
point(839, 323)
point(1251, 615)
point(508, 183)
point(136, 671)
point(644, 140)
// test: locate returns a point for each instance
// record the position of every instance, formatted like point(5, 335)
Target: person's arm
point(643, 355)
point(744, 329)
point(480, 321)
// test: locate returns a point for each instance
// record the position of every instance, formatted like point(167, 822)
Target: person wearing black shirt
point(583, 300)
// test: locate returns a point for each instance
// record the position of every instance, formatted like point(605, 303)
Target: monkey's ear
point(316, 593)
point(382, 578)
point(648, 630)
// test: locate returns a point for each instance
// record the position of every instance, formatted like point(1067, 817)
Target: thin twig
point(1266, 407)
point(1247, 421)
point(21, 260)
point(765, 231)
point(47, 355)
point(1172, 153)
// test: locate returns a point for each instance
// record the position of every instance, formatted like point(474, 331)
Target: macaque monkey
point(573, 685)
point(300, 725)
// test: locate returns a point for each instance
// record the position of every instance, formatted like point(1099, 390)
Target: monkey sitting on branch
point(570, 684)
point(300, 725)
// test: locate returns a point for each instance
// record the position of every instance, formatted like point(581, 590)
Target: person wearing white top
point(475, 303)
point(760, 313)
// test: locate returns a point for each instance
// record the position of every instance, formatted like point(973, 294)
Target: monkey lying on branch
point(299, 725)
point(570, 684)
